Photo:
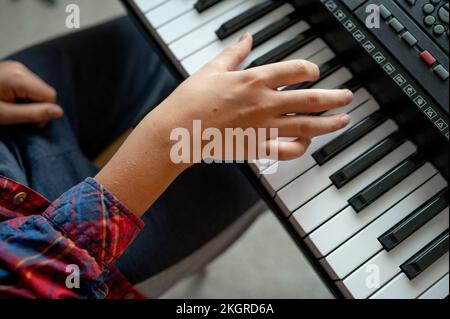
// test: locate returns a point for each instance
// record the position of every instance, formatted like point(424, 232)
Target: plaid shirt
point(41, 243)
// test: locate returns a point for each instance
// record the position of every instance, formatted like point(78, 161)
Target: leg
point(107, 77)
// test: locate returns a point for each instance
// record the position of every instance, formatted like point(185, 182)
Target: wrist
point(142, 169)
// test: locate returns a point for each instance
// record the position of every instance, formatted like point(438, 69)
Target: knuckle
point(15, 65)
point(257, 79)
point(332, 126)
point(229, 51)
point(38, 115)
point(314, 99)
point(308, 68)
point(233, 52)
point(16, 74)
point(300, 129)
point(265, 103)
point(302, 66)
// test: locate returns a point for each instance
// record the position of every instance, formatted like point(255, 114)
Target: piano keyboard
point(370, 207)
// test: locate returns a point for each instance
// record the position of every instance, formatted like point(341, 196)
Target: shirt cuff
point(95, 220)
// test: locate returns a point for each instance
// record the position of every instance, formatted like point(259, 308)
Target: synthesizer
point(368, 205)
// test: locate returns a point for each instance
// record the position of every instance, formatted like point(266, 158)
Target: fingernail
point(349, 96)
point(54, 113)
point(345, 120)
point(244, 36)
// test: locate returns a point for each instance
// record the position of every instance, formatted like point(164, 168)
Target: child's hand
point(223, 98)
point(18, 83)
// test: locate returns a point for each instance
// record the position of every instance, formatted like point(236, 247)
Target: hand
point(17, 83)
point(221, 98)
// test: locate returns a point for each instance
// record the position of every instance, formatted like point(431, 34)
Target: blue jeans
point(107, 79)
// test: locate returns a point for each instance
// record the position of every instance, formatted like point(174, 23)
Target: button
point(441, 72)
point(429, 20)
point(443, 13)
point(428, 8)
point(409, 39)
point(428, 58)
point(396, 25)
point(384, 12)
point(435, 1)
point(19, 198)
point(439, 29)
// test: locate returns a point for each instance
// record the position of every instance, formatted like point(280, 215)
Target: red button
point(428, 58)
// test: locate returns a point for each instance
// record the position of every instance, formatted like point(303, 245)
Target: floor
point(264, 263)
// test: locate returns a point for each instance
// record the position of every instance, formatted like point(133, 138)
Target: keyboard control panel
point(432, 16)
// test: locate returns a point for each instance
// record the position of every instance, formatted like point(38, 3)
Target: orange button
point(428, 58)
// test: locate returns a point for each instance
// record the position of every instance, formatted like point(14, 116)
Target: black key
point(344, 140)
point(203, 5)
point(426, 256)
point(369, 158)
point(247, 17)
point(352, 85)
point(385, 183)
point(326, 69)
point(407, 226)
point(285, 49)
point(275, 28)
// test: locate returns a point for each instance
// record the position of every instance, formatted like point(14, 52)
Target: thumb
point(233, 56)
point(28, 113)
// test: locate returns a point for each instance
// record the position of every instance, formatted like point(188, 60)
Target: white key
point(147, 5)
point(309, 221)
point(348, 222)
point(365, 244)
point(334, 80)
point(196, 61)
point(262, 164)
point(438, 291)
point(169, 11)
point(322, 57)
point(316, 180)
point(403, 288)
point(206, 35)
point(387, 264)
point(192, 20)
point(294, 195)
point(289, 170)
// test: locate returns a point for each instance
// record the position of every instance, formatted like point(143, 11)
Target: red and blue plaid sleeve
point(86, 229)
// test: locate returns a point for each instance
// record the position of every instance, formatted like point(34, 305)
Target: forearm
point(141, 170)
